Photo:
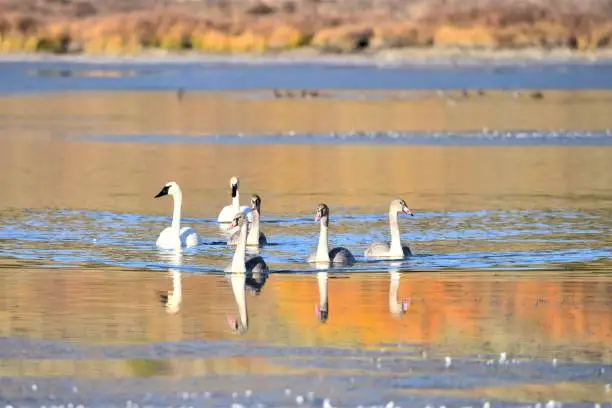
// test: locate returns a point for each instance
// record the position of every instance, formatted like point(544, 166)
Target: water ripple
point(440, 240)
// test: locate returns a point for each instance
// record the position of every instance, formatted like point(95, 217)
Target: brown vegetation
point(221, 26)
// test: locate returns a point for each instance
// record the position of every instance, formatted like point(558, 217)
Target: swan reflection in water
point(171, 300)
point(240, 282)
point(322, 309)
point(397, 308)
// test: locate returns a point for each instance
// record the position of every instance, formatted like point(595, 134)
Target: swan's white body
point(228, 212)
point(255, 237)
point(239, 263)
point(393, 250)
point(187, 238)
point(175, 237)
point(338, 255)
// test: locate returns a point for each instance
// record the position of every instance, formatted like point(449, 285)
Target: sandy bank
point(390, 58)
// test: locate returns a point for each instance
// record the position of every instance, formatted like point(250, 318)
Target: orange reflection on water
point(535, 314)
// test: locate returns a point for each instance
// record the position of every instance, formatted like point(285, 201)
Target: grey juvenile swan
point(254, 236)
point(394, 250)
point(239, 264)
point(337, 255)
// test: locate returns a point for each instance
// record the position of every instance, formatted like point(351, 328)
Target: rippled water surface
point(506, 301)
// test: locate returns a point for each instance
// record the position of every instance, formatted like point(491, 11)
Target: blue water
point(67, 75)
point(51, 309)
point(481, 240)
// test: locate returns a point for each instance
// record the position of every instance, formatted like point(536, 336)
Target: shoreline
point(402, 57)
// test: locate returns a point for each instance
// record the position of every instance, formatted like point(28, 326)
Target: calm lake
point(507, 301)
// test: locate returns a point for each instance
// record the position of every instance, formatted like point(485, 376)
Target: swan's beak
point(234, 224)
point(407, 211)
point(318, 217)
point(163, 192)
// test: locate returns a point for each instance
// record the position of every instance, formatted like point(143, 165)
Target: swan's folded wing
point(340, 255)
point(226, 214)
point(189, 237)
point(377, 249)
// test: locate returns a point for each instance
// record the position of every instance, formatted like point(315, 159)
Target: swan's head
point(399, 206)
point(255, 202)
point(234, 185)
point(322, 313)
point(322, 212)
point(238, 220)
point(171, 188)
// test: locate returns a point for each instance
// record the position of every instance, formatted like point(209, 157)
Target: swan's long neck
point(253, 237)
point(322, 281)
point(396, 241)
point(238, 287)
point(323, 247)
point(176, 214)
point(235, 198)
point(238, 262)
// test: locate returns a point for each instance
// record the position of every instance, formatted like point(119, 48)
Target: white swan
point(228, 212)
point(395, 250)
point(239, 264)
point(254, 237)
point(175, 237)
point(322, 309)
point(338, 255)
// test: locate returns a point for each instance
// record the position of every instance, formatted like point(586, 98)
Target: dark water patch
point(479, 138)
point(83, 72)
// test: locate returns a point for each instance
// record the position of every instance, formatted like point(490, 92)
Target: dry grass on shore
point(106, 27)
